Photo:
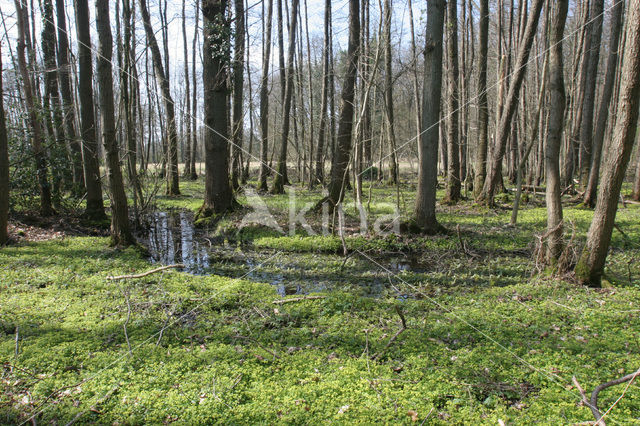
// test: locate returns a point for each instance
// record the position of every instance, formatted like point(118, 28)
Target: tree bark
point(590, 266)
point(322, 127)
point(218, 197)
point(187, 119)
point(425, 208)
point(452, 192)
point(592, 56)
point(120, 230)
point(494, 176)
point(162, 76)
point(64, 77)
point(264, 101)
point(483, 108)
point(4, 168)
point(32, 109)
point(388, 94)
point(603, 110)
point(557, 102)
point(95, 205)
point(194, 98)
point(281, 178)
point(342, 152)
point(238, 96)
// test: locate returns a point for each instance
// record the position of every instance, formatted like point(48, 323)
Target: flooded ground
point(172, 238)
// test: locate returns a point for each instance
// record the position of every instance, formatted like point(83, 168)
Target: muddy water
point(172, 238)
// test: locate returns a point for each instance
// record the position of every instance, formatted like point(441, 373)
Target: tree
point(554, 133)
point(264, 100)
point(95, 205)
point(120, 231)
point(68, 102)
point(187, 91)
point(603, 109)
point(42, 168)
point(388, 93)
point(281, 178)
point(218, 196)
point(238, 97)
point(425, 209)
point(4, 167)
point(324, 101)
point(452, 193)
point(590, 266)
point(194, 98)
point(592, 58)
point(483, 108)
point(504, 125)
point(345, 124)
point(162, 76)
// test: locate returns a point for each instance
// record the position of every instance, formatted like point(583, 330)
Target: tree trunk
point(636, 186)
point(342, 152)
point(281, 178)
point(32, 108)
point(194, 99)
point(428, 148)
point(171, 136)
point(388, 94)
point(322, 128)
point(494, 177)
point(554, 134)
point(238, 97)
point(603, 110)
point(120, 231)
point(264, 101)
point(64, 77)
point(187, 119)
point(452, 192)
point(218, 197)
point(4, 168)
point(592, 56)
point(590, 267)
point(58, 153)
point(483, 108)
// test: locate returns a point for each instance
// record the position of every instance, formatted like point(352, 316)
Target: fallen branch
point(592, 403)
point(296, 299)
point(403, 327)
point(144, 274)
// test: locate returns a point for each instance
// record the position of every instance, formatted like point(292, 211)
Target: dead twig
point(93, 407)
point(126, 335)
point(297, 299)
point(403, 327)
point(592, 402)
point(144, 274)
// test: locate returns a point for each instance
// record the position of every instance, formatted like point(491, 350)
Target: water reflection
point(171, 240)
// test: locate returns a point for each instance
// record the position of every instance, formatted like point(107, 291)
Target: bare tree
point(425, 209)
point(95, 205)
point(238, 93)
point(388, 93)
point(32, 103)
point(494, 177)
point(322, 127)
point(162, 76)
point(4, 167)
point(281, 178)
point(342, 153)
point(264, 99)
point(590, 266)
point(603, 109)
point(194, 98)
point(483, 108)
point(120, 230)
point(187, 91)
point(68, 102)
point(218, 196)
point(554, 133)
point(452, 192)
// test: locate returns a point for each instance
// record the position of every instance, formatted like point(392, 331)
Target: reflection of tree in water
point(171, 240)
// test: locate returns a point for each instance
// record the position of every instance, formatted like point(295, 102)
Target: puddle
point(172, 238)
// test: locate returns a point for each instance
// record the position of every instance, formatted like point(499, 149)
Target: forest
point(317, 211)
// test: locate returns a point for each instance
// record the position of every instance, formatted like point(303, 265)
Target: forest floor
point(458, 328)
